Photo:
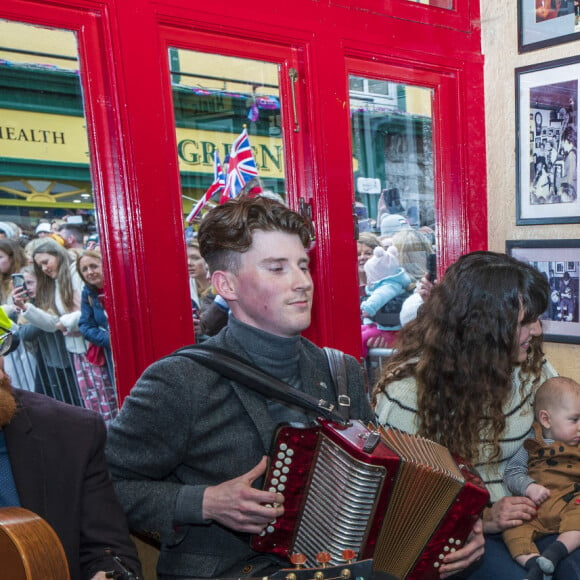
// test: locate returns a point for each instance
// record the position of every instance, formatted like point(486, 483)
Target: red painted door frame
point(123, 51)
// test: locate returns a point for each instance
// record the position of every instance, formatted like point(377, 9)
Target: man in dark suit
point(187, 452)
point(52, 462)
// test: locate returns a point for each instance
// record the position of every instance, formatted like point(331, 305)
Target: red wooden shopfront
point(123, 48)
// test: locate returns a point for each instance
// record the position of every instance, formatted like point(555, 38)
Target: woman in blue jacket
point(94, 326)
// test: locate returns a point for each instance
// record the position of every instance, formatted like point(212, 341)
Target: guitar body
point(29, 547)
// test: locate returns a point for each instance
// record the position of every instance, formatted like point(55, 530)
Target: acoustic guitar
point(29, 547)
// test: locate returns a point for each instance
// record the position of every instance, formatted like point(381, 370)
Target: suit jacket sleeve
point(103, 525)
point(148, 441)
point(58, 462)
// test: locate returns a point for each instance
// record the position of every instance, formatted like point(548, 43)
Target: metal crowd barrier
point(376, 359)
point(42, 364)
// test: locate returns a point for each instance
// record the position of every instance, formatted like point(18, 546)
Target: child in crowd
point(547, 470)
point(385, 281)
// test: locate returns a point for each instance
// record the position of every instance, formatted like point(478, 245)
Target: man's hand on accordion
point(237, 505)
point(471, 552)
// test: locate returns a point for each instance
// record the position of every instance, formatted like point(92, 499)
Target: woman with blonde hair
point(414, 248)
point(94, 326)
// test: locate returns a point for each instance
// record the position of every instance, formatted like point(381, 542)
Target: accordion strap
point(337, 365)
point(237, 369)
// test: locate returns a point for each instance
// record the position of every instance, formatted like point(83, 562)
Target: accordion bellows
point(397, 498)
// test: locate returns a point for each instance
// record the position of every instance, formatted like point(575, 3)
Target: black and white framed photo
point(544, 23)
point(547, 168)
point(558, 261)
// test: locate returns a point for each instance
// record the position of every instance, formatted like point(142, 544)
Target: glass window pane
point(43, 141)
point(45, 184)
point(215, 98)
point(393, 170)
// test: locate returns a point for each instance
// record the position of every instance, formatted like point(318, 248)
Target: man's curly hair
point(227, 230)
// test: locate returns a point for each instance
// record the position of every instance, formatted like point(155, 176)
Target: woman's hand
point(20, 297)
point(508, 512)
point(467, 555)
point(424, 287)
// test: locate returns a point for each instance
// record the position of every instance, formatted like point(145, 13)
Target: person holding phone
point(55, 375)
point(19, 365)
point(12, 259)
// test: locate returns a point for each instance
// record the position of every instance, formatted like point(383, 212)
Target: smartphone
point(432, 267)
point(18, 281)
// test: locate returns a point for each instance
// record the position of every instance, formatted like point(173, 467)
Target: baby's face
point(565, 421)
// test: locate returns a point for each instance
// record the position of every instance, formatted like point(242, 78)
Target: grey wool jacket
point(183, 428)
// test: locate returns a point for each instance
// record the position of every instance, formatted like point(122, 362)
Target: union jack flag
point(219, 182)
point(241, 167)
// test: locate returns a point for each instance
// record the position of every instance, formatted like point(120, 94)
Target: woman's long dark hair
point(462, 349)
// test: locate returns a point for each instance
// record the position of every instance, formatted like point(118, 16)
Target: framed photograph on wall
point(558, 261)
point(543, 23)
point(547, 168)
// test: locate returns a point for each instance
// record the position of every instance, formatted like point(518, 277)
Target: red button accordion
point(399, 499)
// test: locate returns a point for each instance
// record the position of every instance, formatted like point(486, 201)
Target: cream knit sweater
point(398, 409)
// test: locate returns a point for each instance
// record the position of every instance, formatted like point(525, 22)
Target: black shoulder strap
point(337, 365)
point(236, 368)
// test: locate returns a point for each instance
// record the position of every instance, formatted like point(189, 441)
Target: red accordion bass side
point(399, 499)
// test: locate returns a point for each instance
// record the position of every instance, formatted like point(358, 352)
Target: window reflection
point(216, 98)
point(394, 199)
point(47, 212)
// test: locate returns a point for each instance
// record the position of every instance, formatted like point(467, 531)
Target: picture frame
point(547, 170)
point(559, 262)
point(541, 25)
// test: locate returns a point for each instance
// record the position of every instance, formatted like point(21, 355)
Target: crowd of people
point(189, 449)
point(393, 266)
point(51, 287)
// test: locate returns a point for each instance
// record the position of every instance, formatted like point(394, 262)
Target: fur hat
point(384, 263)
point(393, 223)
